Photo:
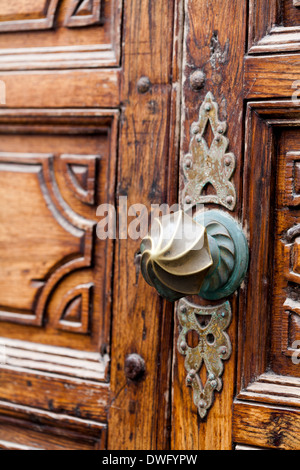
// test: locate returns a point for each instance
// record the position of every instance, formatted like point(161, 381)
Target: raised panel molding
point(62, 291)
point(266, 33)
point(75, 310)
point(41, 15)
point(80, 175)
point(76, 226)
point(274, 307)
point(83, 13)
point(38, 16)
point(80, 33)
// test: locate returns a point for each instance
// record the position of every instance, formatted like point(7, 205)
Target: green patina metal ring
point(230, 252)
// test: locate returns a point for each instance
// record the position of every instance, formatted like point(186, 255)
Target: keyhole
point(210, 339)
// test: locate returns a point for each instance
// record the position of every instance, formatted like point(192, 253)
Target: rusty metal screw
point(143, 85)
point(197, 80)
point(134, 367)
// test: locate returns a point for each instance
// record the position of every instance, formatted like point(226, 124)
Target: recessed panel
point(55, 273)
point(59, 33)
point(274, 26)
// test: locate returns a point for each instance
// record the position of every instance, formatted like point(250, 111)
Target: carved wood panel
point(42, 14)
point(287, 253)
point(274, 26)
point(55, 297)
point(59, 33)
point(37, 14)
point(270, 322)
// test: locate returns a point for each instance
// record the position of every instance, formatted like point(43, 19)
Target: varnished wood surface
point(273, 27)
point(262, 426)
point(56, 34)
point(216, 47)
point(56, 89)
point(271, 77)
point(73, 101)
point(139, 414)
point(58, 158)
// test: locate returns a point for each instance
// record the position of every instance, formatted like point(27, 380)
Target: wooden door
point(79, 128)
point(97, 102)
point(247, 55)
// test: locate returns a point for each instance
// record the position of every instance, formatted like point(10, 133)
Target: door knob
point(206, 255)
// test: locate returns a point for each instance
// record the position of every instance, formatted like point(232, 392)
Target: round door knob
point(205, 255)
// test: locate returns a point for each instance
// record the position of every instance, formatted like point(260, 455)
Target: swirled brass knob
point(176, 256)
point(205, 255)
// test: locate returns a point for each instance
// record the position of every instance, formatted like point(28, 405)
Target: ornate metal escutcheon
point(202, 252)
point(204, 165)
point(213, 348)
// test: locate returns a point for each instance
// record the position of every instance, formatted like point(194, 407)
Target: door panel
point(58, 161)
point(55, 273)
point(270, 322)
point(216, 48)
point(268, 375)
point(273, 26)
point(100, 101)
point(248, 57)
point(59, 34)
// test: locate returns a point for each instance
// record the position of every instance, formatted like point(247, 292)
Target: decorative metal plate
point(204, 165)
point(213, 348)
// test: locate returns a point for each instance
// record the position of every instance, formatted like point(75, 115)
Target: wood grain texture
point(69, 89)
point(139, 413)
point(263, 426)
point(58, 394)
point(218, 51)
point(286, 311)
point(37, 282)
point(271, 76)
point(263, 323)
point(273, 27)
point(71, 36)
point(23, 428)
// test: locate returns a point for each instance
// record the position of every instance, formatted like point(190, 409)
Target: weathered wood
point(214, 45)
point(69, 89)
point(271, 76)
point(58, 161)
point(263, 426)
point(139, 413)
point(62, 44)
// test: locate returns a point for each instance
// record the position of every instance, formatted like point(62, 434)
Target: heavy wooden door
point(246, 53)
point(79, 128)
point(97, 102)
